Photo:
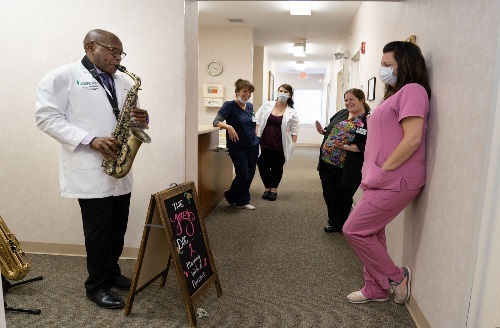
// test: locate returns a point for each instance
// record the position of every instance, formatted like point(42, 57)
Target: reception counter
point(215, 169)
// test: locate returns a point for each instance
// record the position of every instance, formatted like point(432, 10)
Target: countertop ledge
point(207, 129)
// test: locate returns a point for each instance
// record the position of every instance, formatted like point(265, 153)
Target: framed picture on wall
point(371, 89)
point(412, 39)
point(270, 87)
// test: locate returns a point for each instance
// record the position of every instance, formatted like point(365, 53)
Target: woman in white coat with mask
point(278, 128)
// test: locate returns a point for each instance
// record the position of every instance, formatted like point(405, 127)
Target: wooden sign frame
point(160, 246)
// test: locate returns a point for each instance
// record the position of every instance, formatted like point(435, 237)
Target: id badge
point(254, 119)
point(361, 131)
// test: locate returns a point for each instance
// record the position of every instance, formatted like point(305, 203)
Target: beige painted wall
point(258, 76)
point(40, 36)
point(191, 78)
point(434, 235)
point(233, 47)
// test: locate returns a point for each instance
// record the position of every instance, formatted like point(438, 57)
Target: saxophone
point(130, 137)
point(15, 264)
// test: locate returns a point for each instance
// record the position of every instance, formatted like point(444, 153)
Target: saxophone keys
point(122, 155)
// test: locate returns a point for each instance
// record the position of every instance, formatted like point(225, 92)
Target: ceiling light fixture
point(300, 66)
point(299, 49)
point(300, 8)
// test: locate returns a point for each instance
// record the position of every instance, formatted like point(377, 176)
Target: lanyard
point(109, 93)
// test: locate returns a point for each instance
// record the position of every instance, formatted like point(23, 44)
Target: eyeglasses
point(115, 52)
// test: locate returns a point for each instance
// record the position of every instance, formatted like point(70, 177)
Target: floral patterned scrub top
point(343, 132)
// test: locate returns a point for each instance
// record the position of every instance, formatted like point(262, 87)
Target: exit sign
point(302, 75)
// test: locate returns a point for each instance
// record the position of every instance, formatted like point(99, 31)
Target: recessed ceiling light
point(299, 49)
point(300, 66)
point(300, 8)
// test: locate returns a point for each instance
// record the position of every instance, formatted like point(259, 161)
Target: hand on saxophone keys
point(107, 146)
point(139, 118)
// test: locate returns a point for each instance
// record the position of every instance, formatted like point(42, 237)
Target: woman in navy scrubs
point(242, 142)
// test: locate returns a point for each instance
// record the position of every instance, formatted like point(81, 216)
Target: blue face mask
point(386, 75)
point(241, 100)
point(282, 97)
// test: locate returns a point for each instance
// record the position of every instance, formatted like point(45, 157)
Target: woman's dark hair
point(243, 84)
point(358, 93)
point(288, 88)
point(411, 66)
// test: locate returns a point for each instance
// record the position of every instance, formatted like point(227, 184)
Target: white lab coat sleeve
point(51, 103)
point(259, 114)
point(294, 123)
point(264, 112)
point(289, 127)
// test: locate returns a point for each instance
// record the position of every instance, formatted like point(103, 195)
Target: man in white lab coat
point(78, 105)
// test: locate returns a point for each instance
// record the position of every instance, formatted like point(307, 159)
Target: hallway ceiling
point(277, 30)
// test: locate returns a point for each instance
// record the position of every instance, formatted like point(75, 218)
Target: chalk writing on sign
point(189, 240)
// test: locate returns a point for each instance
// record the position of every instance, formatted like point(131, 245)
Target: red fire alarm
point(363, 47)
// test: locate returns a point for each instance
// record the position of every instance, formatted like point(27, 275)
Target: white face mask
point(241, 100)
point(386, 75)
point(282, 97)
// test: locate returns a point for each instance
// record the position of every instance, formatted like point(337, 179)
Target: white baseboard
point(69, 249)
point(416, 314)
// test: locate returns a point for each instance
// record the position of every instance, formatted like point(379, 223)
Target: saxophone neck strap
point(109, 93)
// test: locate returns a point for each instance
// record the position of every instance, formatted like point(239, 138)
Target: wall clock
point(214, 68)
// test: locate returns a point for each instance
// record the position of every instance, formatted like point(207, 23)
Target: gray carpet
point(277, 268)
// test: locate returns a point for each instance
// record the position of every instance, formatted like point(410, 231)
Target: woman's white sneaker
point(358, 298)
point(246, 207)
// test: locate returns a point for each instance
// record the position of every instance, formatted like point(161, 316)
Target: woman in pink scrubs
point(393, 171)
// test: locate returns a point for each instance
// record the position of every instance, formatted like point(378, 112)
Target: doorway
point(340, 88)
point(354, 70)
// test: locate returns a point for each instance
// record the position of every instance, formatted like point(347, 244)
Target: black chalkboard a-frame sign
point(174, 232)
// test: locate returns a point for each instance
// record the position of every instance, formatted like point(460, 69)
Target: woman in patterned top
point(341, 157)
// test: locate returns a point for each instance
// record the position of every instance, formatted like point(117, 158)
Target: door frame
point(340, 88)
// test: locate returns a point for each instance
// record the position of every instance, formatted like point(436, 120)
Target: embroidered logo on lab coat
point(90, 85)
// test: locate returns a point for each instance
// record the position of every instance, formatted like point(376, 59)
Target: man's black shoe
point(105, 299)
point(330, 228)
point(122, 282)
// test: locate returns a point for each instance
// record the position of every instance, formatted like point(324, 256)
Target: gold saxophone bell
point(15, 263)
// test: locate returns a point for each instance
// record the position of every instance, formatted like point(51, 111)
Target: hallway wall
point(259, 57)
point(233, 47)
point(434, 235)
point(40, 36)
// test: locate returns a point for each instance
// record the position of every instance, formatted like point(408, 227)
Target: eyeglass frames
point(115, 52)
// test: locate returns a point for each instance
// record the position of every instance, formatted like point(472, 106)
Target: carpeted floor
point(276, 266)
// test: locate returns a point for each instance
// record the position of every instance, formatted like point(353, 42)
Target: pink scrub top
point(385, 134)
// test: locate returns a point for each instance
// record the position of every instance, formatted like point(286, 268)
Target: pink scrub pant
point(365, 232)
